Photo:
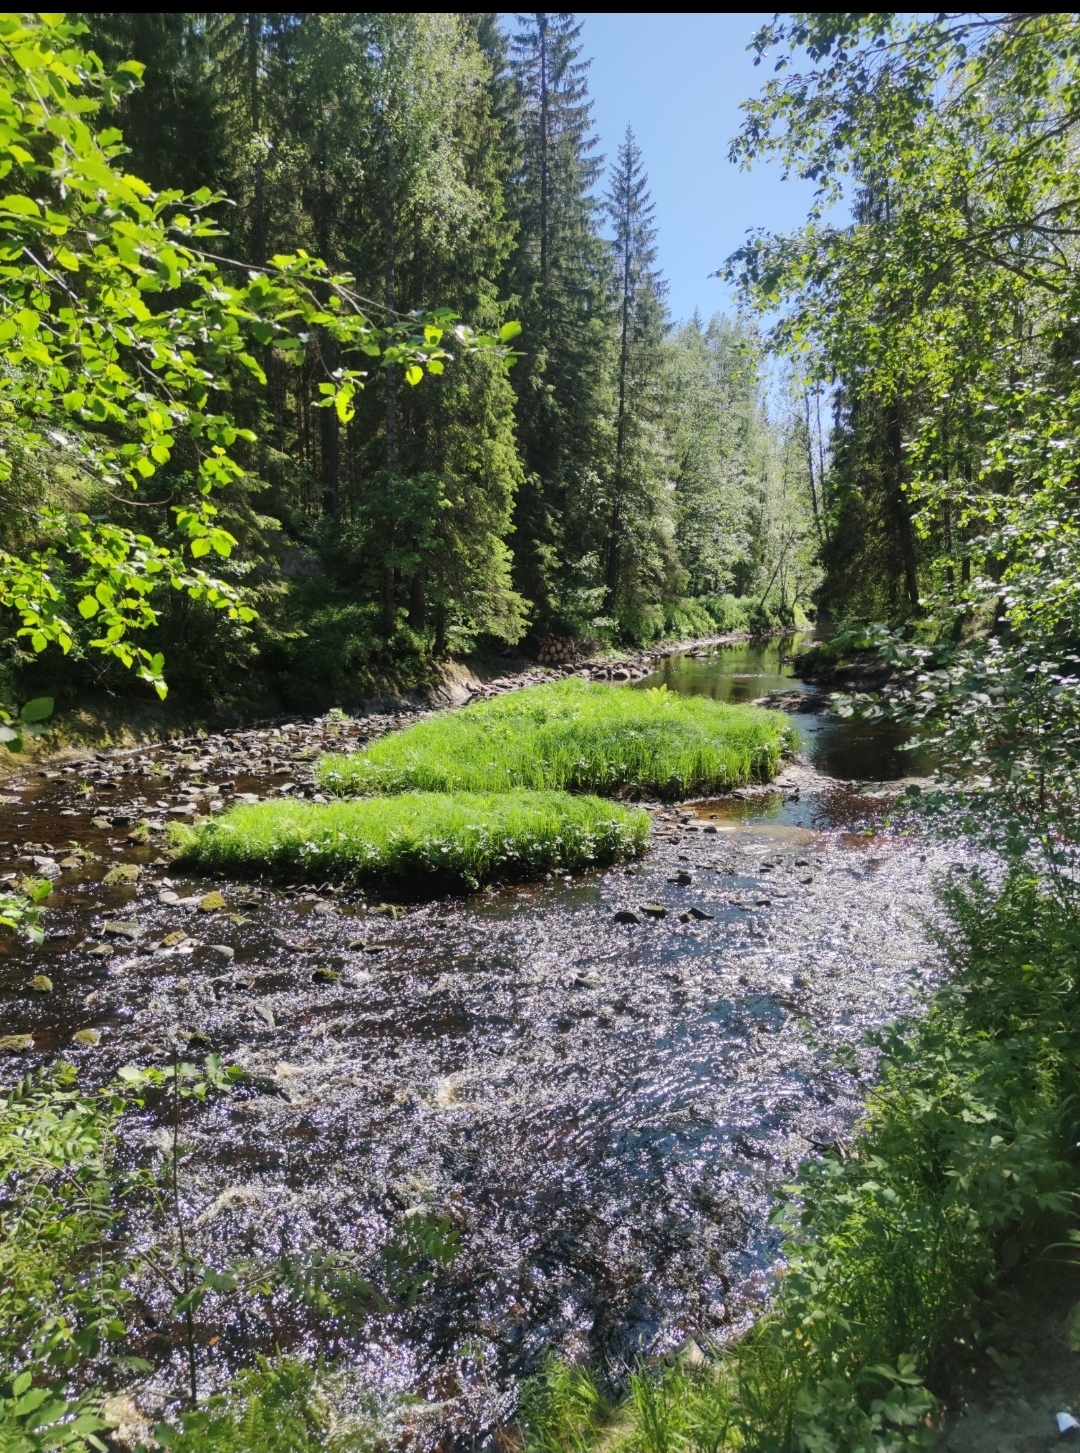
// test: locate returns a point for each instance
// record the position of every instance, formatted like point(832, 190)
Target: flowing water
point(602, 1111)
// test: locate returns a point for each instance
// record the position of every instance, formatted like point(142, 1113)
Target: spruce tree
point(558, 279)
point(640, 566)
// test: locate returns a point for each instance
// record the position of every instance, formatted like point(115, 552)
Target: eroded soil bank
point(602, 1109)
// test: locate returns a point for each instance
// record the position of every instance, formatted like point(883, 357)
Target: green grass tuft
point(577, 737)
point(417, 839)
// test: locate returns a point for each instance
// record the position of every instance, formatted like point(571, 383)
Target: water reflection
point(847, 749)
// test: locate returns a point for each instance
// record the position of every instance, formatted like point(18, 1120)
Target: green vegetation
point(425, 839)
point(73, 1338)
point(945, 316)
point(372, 486)
point(576, 736)
point(109, 379)
point(900, 1248)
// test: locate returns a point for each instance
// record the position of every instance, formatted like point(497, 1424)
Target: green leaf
point(19, 205)
point(38, 710)
point(508, 331)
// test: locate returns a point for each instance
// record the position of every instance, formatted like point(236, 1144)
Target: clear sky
point(678, 79)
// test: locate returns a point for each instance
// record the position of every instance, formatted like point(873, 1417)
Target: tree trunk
point(389, 594)
point(254, 50)
point(440, 629)
point(418, 601)
point(330, 443)
point(388, 620)
point(905, 535)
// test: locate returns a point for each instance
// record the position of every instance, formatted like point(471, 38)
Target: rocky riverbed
point(596, 1082)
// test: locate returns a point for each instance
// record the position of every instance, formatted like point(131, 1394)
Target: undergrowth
point(899, 1248)
point(416, 839)
point(76, 1328)
point(575, 736)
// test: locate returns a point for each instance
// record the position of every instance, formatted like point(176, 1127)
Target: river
point(602, 1111)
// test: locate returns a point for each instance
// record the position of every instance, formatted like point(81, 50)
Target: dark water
point(603, 1112)
point(845, 749)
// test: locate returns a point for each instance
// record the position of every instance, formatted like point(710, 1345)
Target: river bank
point(109, 725)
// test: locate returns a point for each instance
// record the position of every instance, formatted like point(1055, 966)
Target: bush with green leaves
point(121, 333)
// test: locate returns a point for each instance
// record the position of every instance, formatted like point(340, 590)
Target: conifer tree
point(558, 279)
point(640, 567)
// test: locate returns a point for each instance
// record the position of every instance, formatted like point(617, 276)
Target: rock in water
point(123, 873)
point(16, 1043)
point(122, 928)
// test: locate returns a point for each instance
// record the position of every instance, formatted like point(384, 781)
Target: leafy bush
point(60, 1292)
point(964, 1169)
point(687, 620)
point(727, 612)
point(576, 736)
point(432, 838)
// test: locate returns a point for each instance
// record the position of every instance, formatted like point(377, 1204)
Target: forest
point(674, 1054)
point(622, 478)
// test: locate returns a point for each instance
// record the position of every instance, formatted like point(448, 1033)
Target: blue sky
point(678, 79)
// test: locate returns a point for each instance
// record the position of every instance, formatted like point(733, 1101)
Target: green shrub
point(727, 612)
point(61, 1297)
point(576, 736)
point(431, 839)
point(964, 1170)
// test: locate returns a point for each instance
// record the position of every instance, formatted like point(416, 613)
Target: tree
point(947, 310)
point(121, 336)
point(558, 277)
point(640, 567)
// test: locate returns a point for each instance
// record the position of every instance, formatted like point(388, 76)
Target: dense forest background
point(626, 479)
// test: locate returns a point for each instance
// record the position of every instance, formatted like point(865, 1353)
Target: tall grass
point(576, 736)
point(964, 1171)
point(416, 839)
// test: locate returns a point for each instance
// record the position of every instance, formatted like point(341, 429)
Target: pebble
point(221, 951)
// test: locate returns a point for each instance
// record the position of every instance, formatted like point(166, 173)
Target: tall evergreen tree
point(640, 567)
point(558, 279)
